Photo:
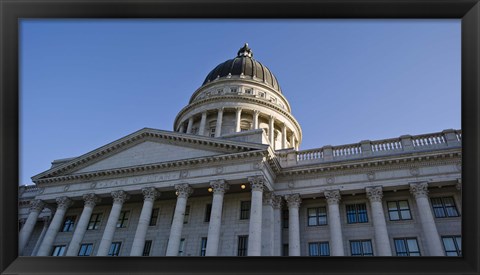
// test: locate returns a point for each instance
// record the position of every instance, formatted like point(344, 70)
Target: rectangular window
point(357, 213)
point(249, 91)
point(212, 131)
point(123, 219)
point(58, 250)
point(203, 246)
point(181, 247)
point(444, 207)
point(208, 212)
point(399, 210)
point(242, 245)
point(285, 218)
point(233, 90)
point(69, 223)
point(95, 221)
point(361, 248)
point(406, 247)
point(115, 249)
point(154, 217)
point(317, 216)
point(85, 249)
point(187, 214)
point(452, 245)
point(319, 249)
point(285, 249)
point(245, 210)
point(147, 247)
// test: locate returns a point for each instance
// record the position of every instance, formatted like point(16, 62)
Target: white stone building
point(230, 180)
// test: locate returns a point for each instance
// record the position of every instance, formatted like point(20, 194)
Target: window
point(285, 218)
point(146, 248)
point(245, 210)
point(154, 217)
point(398, 210)
point(123, 219)
point(85, 249)
point(242, 245)
point(212, 131)
point(68, 224)
point(261, 94)
point(58, 250)
point(319, 249)
point(453, 245)
point(181, 247)
point(317, 216)
point(187, 214)
point(203, 246)
point(208, 212)
point(357, 213)
point(406, 247)
point(444, 207)
point(233, 90)
point(115, 249)
point(285, 249)
point(361, 248)
point(95, 221)
point(272, 99)
point(220, 91)
point(249, 91)
point(195, 130)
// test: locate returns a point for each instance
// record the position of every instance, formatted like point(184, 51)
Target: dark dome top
point(244, 64)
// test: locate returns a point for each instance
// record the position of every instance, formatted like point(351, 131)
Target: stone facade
point(230, 180)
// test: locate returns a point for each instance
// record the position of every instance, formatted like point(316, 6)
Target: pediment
point(145, 147)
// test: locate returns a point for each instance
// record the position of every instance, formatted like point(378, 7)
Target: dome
point(244, 66)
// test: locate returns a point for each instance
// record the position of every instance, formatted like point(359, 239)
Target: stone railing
point(367, 148)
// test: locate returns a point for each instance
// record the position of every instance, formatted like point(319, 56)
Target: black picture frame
point(13, 10)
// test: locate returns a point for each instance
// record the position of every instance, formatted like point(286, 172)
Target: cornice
point(142, 135)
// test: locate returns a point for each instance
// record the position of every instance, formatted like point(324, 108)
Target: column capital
point(91, 199)
point(277, 202)
point(293, 200)
point(238, 109)
point(219, 186)
point(183, 190)
point(419, 189)
point(332, 196)
point(268, 198)
point(120, 196)
point(150, 193)
point(64, 203)
point(257, 183)
point(375, 194)
point(256, 112)
point(220, 109)
point(37, 205)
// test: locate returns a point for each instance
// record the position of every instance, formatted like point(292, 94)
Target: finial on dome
point(245, 51)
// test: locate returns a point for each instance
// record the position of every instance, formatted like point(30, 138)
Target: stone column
point(255, 227)
point(255, 119)
point(238, 117)
point(90, 201)
point(382, 241)
point(149, 196)
point(336, 237)
point(284, 136)
point(183, 192)
point(292, 138)
point(213, 238)
point(277, 224)
point(190, 125)
point(430, 233)
point(36, 206)
point(271, 131)
point(267, 224)
point(182, 127)
point(203, 121)
point(218, 126)
point(293, 202)
point(119, 197)
point(57, 221)
point(46, 223)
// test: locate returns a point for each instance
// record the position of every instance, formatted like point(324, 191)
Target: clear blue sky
point(85, 83)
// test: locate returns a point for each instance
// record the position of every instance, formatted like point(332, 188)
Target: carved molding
point(63, 203)
point(150, 193)
point(183, 190)
point(120, 196)
point(219, 186)
point(91, 199)
point(375, 194)
point(37, 205)
point(419, 189)
point(332, 196)
point(293, 200)
point(257, 183)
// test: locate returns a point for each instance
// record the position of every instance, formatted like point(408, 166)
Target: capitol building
point(230, 180)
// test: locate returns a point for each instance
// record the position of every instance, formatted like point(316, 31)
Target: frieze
point(138, 180)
